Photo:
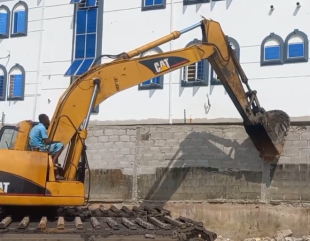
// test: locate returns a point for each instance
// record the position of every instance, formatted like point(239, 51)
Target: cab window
point(8, 135)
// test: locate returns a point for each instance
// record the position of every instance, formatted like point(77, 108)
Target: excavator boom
point(267, 130)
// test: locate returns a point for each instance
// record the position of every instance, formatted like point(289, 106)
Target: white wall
point(126, 27)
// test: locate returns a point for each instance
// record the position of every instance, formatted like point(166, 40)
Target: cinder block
point(173, 156)
point(202, 163)
point(204, 135)
point(154, 149)
point(159, 156)
point(216, 134)
point(300, 160)
point(299, 144)
point(285, 160)
point(222, 157)
point(160, 143)
point(124, 151)
point(103, 138)
point(242, 136)
point(108, 132)
point(230, 135)
point(305, 152)
point(119, 132)
point(293, 136)
point(102, 151)
point(156, 136)
point(147, 143)
point(91, 139)
point(197, 142)
point(118, 157)
point(184, 142)
point(291, 151)
point(113, 138)
point(119, 144)
point(179, 135)
point(305, 136)
point(125, 164)
point(131, 132)
point(124, 138)
point(172, 143)
point(114, 151)
point(167, 135)
point(130, 144)
point(129, 158)
point(97, 133)
point(192, 135)
point(165, 149)
point(108, 144)
point(147, 157)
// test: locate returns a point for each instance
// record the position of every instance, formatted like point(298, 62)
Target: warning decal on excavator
point(159, 65)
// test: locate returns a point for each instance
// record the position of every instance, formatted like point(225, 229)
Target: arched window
point(16, 89)
point(19, 23)
point(3, 80)
point(236, 47)
point(296, 47)
point(157, 82)
point(272, 50)
point(195, 74)
point(4, 21)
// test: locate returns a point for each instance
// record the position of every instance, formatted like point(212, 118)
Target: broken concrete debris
point(282, 235)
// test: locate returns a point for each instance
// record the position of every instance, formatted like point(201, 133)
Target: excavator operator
point(38, 140)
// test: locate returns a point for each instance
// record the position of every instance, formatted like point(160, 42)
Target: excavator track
point(85, 223)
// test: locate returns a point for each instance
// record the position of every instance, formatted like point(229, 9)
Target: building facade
point(46, 44)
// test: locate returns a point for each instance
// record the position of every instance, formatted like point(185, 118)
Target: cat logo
point(4, 187)
point(158, 65)
point(161, 65)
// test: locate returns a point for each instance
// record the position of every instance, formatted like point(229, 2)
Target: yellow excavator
point(27, 177)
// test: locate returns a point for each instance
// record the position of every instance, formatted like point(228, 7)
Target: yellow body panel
point(29, 165)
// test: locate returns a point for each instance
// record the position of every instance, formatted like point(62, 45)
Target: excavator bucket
point(269, 132)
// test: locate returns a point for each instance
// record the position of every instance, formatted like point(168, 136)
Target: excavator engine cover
point(269, 132)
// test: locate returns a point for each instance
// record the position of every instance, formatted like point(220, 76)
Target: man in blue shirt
point(39, 139)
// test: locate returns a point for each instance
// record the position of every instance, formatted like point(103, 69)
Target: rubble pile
point(283, 235)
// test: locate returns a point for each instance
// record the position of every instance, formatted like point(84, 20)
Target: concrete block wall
point(193, 162)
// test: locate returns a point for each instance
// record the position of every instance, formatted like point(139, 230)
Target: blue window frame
point(85, 39)
point(153, 4)
point(2, 87)
point(297, 50)
point(3, 80)
point(19, 20)
point(195, 74)
point(157, 82)
point(16, 88)
point(87, 36)
point(4, 21)
point(272, 54)
point(85, 3)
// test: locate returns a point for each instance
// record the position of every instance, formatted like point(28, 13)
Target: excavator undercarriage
point(87, 223)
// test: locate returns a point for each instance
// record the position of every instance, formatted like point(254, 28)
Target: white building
point(46, 43)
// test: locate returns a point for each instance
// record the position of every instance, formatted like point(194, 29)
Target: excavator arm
point(267, 130)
